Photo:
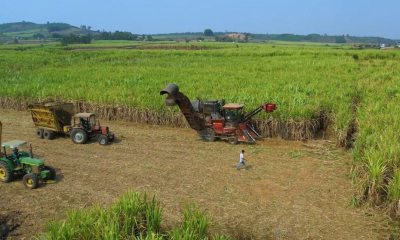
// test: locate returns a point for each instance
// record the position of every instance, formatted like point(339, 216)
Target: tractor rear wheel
point(48, 134)
point(79, 136)
point(209, 135)
point(39, 133)
point(233, 140)
point(103, 140)
point(52, 172)
point(30, 181)
point(5, 172)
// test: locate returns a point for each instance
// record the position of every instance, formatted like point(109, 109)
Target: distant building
point(383, 45)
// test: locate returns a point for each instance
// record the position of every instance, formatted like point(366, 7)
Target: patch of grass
point(134, 216)
point(298, 154)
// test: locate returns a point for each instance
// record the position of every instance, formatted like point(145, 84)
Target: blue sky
point(333, 17)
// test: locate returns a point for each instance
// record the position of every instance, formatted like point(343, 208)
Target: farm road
point(301, 190)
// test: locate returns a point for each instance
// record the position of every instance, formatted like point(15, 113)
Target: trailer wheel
point(39, 133)
point(233, 140)
point(48, 134)
point(79, 136)
point(5, 172)
point(209, 135)
point(103, 140)
point(30, 181)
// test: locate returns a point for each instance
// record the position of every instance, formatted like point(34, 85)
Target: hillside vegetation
point(29, 30)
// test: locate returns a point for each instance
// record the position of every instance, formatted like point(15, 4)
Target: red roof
point(233, 106)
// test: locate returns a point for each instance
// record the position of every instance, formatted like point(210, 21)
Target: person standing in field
point(241, 161)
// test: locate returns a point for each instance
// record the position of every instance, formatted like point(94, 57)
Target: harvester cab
point(216, 120)
point(233, 114)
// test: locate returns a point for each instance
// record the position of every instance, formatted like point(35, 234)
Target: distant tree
point(340, 39)
point(72, 39)
point(89, 27)
point(208, 32)
point(15, 40)
point(38, 36)
point(117, 35)
point(143, 37)
point(149, 38)
point(246, 37)
point(56, 35)
point(83, 27)
point(224, 38)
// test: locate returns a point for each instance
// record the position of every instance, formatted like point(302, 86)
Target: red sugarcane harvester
point(215, 119)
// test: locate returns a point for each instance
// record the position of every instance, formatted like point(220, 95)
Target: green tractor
point(22, 163)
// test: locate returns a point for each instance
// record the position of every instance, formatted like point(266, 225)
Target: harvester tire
point(103, 140)
point(30, 181)
point(209, 135)
point(52, 172)
point(232, 140)
point(79, 136)
point(39, 133)
point(5, 172)
point(48, 134)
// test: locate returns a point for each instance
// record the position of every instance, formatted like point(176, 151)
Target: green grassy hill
point(29, 30)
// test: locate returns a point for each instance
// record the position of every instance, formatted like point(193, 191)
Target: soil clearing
point(292, 190)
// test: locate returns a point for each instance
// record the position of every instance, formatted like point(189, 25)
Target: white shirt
point(241, 157)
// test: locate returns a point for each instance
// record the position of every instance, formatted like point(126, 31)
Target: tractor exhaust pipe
point(30, 151)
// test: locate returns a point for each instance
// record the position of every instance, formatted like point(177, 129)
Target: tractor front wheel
point(103, 140)
point(79, 136)
point(209, 135)
point(5, 172)
point(52, 172)
point(30, 181)
point(39, 133)
point(48, 134)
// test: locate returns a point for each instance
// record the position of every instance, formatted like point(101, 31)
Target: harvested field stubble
point(299, 189)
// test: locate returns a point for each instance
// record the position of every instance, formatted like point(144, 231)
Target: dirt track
point(301, 190)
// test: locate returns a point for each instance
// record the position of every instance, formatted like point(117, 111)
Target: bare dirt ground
point(292, 190)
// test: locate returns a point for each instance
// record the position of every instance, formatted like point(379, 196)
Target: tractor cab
point(84, 120)
point(14, 145)
point(233, 113)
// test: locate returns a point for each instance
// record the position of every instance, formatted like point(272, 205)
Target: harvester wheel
point(103, 140)
point(30, 181)
point(48, 134)
point(52, 172)
point(233, 140)
point(5, 172)
point(209, 135)
point(79, 136)
point(39, 133)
